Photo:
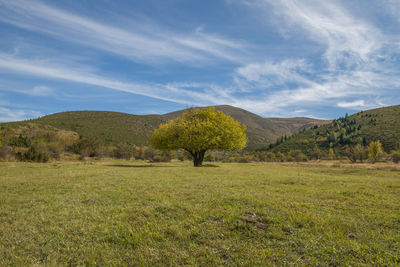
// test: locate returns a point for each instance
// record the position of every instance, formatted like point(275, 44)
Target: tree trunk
point(198, 157)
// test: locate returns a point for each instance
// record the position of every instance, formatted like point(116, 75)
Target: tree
point(331, 153)
point(375, 150)
point(355, 153)
point(199, 130)
point(316, 153)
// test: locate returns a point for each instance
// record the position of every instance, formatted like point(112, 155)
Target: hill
point(116, 127)
point(361, 128)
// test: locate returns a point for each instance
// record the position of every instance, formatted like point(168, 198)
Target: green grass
point(131, 213)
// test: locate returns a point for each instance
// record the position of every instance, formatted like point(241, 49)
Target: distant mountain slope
point(361, 128)
point(261, 131)
point(115, 127)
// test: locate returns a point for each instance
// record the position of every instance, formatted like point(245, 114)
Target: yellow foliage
point(375, 150)
point(67, 137)
point(200, 130)
point(331, 153)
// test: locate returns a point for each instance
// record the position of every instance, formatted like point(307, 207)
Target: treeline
point(358, 153)
point(346, 136)
point(40, 143)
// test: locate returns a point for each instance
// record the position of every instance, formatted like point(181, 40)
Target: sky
point(289, 58)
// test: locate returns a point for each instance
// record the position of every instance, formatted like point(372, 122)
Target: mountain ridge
point(116, 127)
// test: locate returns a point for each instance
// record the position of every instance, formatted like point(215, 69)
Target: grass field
point(132, 213)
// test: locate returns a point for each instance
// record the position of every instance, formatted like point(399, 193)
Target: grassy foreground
point(129, 213)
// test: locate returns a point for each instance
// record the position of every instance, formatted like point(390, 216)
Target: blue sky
point(288, 58)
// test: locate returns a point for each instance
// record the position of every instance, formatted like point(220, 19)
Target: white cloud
point(40, 90)
point(349, 40)
point(358, 60)
point(394, 6)
point(173, 92)
point(7, 115)
point(354, 104)
point(269, 73)
point(144, 43)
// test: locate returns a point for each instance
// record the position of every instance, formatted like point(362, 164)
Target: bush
point(54, 149)
point(296, 155)
point(280, 157)
point(37, 153)
point(316, 153)
point(139, 152)
point(5, 152)
point(162, 156)
point(149, 154)
point(355, 153)
point(266, 156)
point(88, 147)
point(396, 156)
point(180, 155)
point(123, 151)
point(243, 159)
point(209, 158)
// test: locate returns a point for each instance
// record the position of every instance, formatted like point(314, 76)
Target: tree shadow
point(139, 166)
point(210, 165)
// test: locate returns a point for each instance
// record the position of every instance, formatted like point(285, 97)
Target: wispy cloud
point(7, 114)
point(178, 93)
point(40, 90)
point(357, 104)
point(145, 43)
point(269, 73)
point(394, 7)
point(358, 59)
point(356, 64)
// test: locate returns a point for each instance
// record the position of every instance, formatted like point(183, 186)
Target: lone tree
point(199, 130)
point(375, 150)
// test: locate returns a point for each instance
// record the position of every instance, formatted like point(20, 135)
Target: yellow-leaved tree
point(375, 150)
point(199, 130)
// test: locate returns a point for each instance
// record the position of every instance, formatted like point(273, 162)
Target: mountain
point(116, 127)
point(261, 131)
point(381, 124)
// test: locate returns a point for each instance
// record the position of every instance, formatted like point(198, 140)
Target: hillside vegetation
point(116, 127)
point(362, 128)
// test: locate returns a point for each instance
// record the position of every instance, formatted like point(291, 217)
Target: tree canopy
point(375, 150)
point(199, 130)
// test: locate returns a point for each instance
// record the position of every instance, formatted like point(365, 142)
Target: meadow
point(113, 213)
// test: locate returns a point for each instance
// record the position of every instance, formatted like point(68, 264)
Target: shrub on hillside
point(54, 149)
point(266, 156)
point(396, 156)
point(123, 151)
point(355, 153)
point(88, 147)
point(5, 152)
point(37, 153)
point(296, 155)
point(242, 159)
point(280, 157)
point(316, 153)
